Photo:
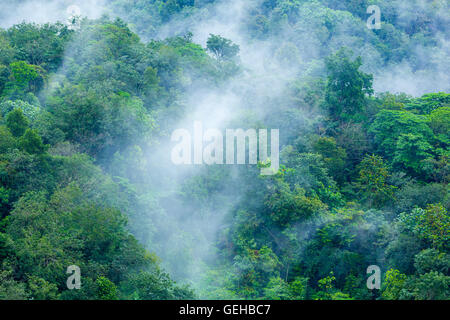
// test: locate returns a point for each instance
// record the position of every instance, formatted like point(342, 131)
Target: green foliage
point(435, 226)
point(432, 260)
point(39, 44)
point(17, 123)
point(298, 288)
point(393, 284)
point(23, 74)
point(430, 224)
point(49, 235)
point(7, 140)
point(6, 51)
point(106, 290)
point(24, 78)
point(277, 289)
point(328, 292)
point(29, 110)
point(82, 181)
point(372, 181)
point(430, 286)
point(429, 102)
point(222, 48)
point(40, 289)
point(11, 289)
point(411, 152)
point(440, 124)
point(154, 286)
point(390, 125)
point(31, 142)
point(286, 206)
point(347, 87)
point(333, 156)
point(326, 284)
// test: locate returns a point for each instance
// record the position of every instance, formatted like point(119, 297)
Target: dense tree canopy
point(85, 121)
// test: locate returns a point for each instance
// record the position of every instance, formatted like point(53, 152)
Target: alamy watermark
point(208, 147)
point(74, 280)
point(74, 17)
point(374, 21)
point(374, 280)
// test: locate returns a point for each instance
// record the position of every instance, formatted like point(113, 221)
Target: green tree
point(390, 125)
point(11, 289)
point(434, 225)
point(17, 123)
point(393, 284)
point(31, 142)
point(25, 77)
point(372, 181)
point(7, 140)
point(333, 156)
point(285, 206)
point(347, 86)
point(411, 152)
point(432, 260)
point(106, 290)
point(277, 289)
point(430, 286)
point(41, 45)
point(222, 48)
point(41, 289)
point(440, 121)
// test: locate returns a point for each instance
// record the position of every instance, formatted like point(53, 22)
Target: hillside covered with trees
point(87, 110)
